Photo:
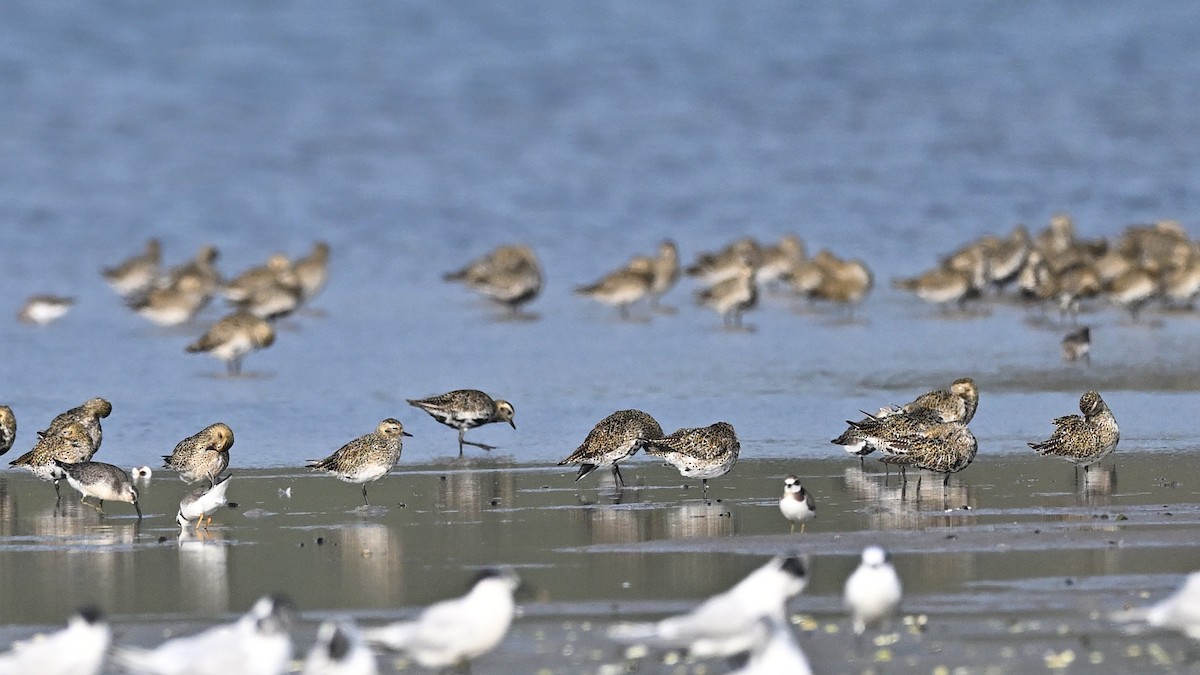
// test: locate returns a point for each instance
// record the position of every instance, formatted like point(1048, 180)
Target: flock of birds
point(1146, 264)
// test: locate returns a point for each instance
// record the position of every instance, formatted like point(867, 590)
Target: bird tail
point(634, 633)
point(136, 660)
point(395, 637)
point(584, 469)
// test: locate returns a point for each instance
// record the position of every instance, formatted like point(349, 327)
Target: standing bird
point(921, 440)
point(71, 443)
point(137, 275)
point(78, 649)
point(41, 310)
point(707, 452)
point(873, 591)
point(233, 337)
point(1077, 345)
point(623, 287)
point(796, 504)
point(313, 272)
point(8, 428)
point(367, 458)
point(202, 456)
point(464, 409)
point(733, 296)
point(956, 404)
point(1083, 440)
point(455, 632)
point(614, 439)
point(510, 275)
point(102, 481)
point(201, 502)
point(339, 650)
point(89, 414)
point(724, 625)
point(666, 272)
point(256, 644)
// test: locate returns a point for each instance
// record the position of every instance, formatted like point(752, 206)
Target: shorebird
point(233, 337)
point(203, 455)
point(464, 409)
point(733, 296)
point(256, 644)
point(956, 404)
point(202, 502)
point(511, 275)
point(920, 439)
point(89, 414)
point(78, 649)
point(339, 650)
point(242, 286)
point(70, 443)
point(623, 287)
point(8, 428)
point(1085, 440)
point(455, 632)
point(724, 625)
point(613, 439)
point(666, 271)
point(713, 268)
point(171, 305)
point(312, 272)
point(137, 275)
point(40, 310)
point(796, 504)
point(778, 260)
point(367, 458)
point(200, 273)
point(101, 481)
point(705, 452)
point(873, 591)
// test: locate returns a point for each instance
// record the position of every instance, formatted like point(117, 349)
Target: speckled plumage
point(956, 404)
point(797, 504)
point(89, 414)
point(202, 456)
point(70, 443)
point(101, 481)
point(137, 275)
point(510, 275)
point(705, 452)
point(1083, 440)
point(733, 296)
point(367, 458)
point(941, 447)
point(613, 439)
point(233, 337)
point(464, 409)
point(8, 428)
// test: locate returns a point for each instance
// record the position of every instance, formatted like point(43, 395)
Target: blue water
point(415, 136)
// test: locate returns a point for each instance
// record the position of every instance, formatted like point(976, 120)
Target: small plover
point(8, 428)
point(233, 337)
point(339, 650)
point(1077, 345)
point(872, 591)
point(724, 624)
point(89, 414)
point(202, 456)
point(70, 443)
point(41, 310)
point(704, 452)
point(101, 481)
point(367, 458)
point(796, 504)
point(78, 649)
point(613, 439)
point(464, 409)
point(137, 275)
point(455, 632)
point(623, 287)
point(1083, 440)
point(258, 643)
point(203, 502)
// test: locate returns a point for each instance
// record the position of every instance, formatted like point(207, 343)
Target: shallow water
point(414, 137)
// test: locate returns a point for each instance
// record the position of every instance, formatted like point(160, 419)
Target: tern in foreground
point(78, 649)
point(339, 650)
point(455, 632)
point(1180, 611)
point(873, 591)
point(725, 624)
point(256, 644)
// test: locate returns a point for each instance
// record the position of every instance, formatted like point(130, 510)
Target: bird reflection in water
point(909, 505)
point(462, 495)
point(204, 569)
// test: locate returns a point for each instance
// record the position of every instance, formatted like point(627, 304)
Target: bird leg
point(99, 507)
point(616, 471)
point(365, 502)
point(481, 446)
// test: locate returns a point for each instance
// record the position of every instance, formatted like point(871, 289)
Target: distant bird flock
point(1052, 269)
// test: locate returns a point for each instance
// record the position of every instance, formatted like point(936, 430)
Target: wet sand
point(1015, 568)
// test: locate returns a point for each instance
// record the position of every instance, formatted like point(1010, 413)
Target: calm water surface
point(416, 136)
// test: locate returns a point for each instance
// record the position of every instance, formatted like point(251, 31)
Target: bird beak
point(138, 509)
point(405, 433)
point(512, 424)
